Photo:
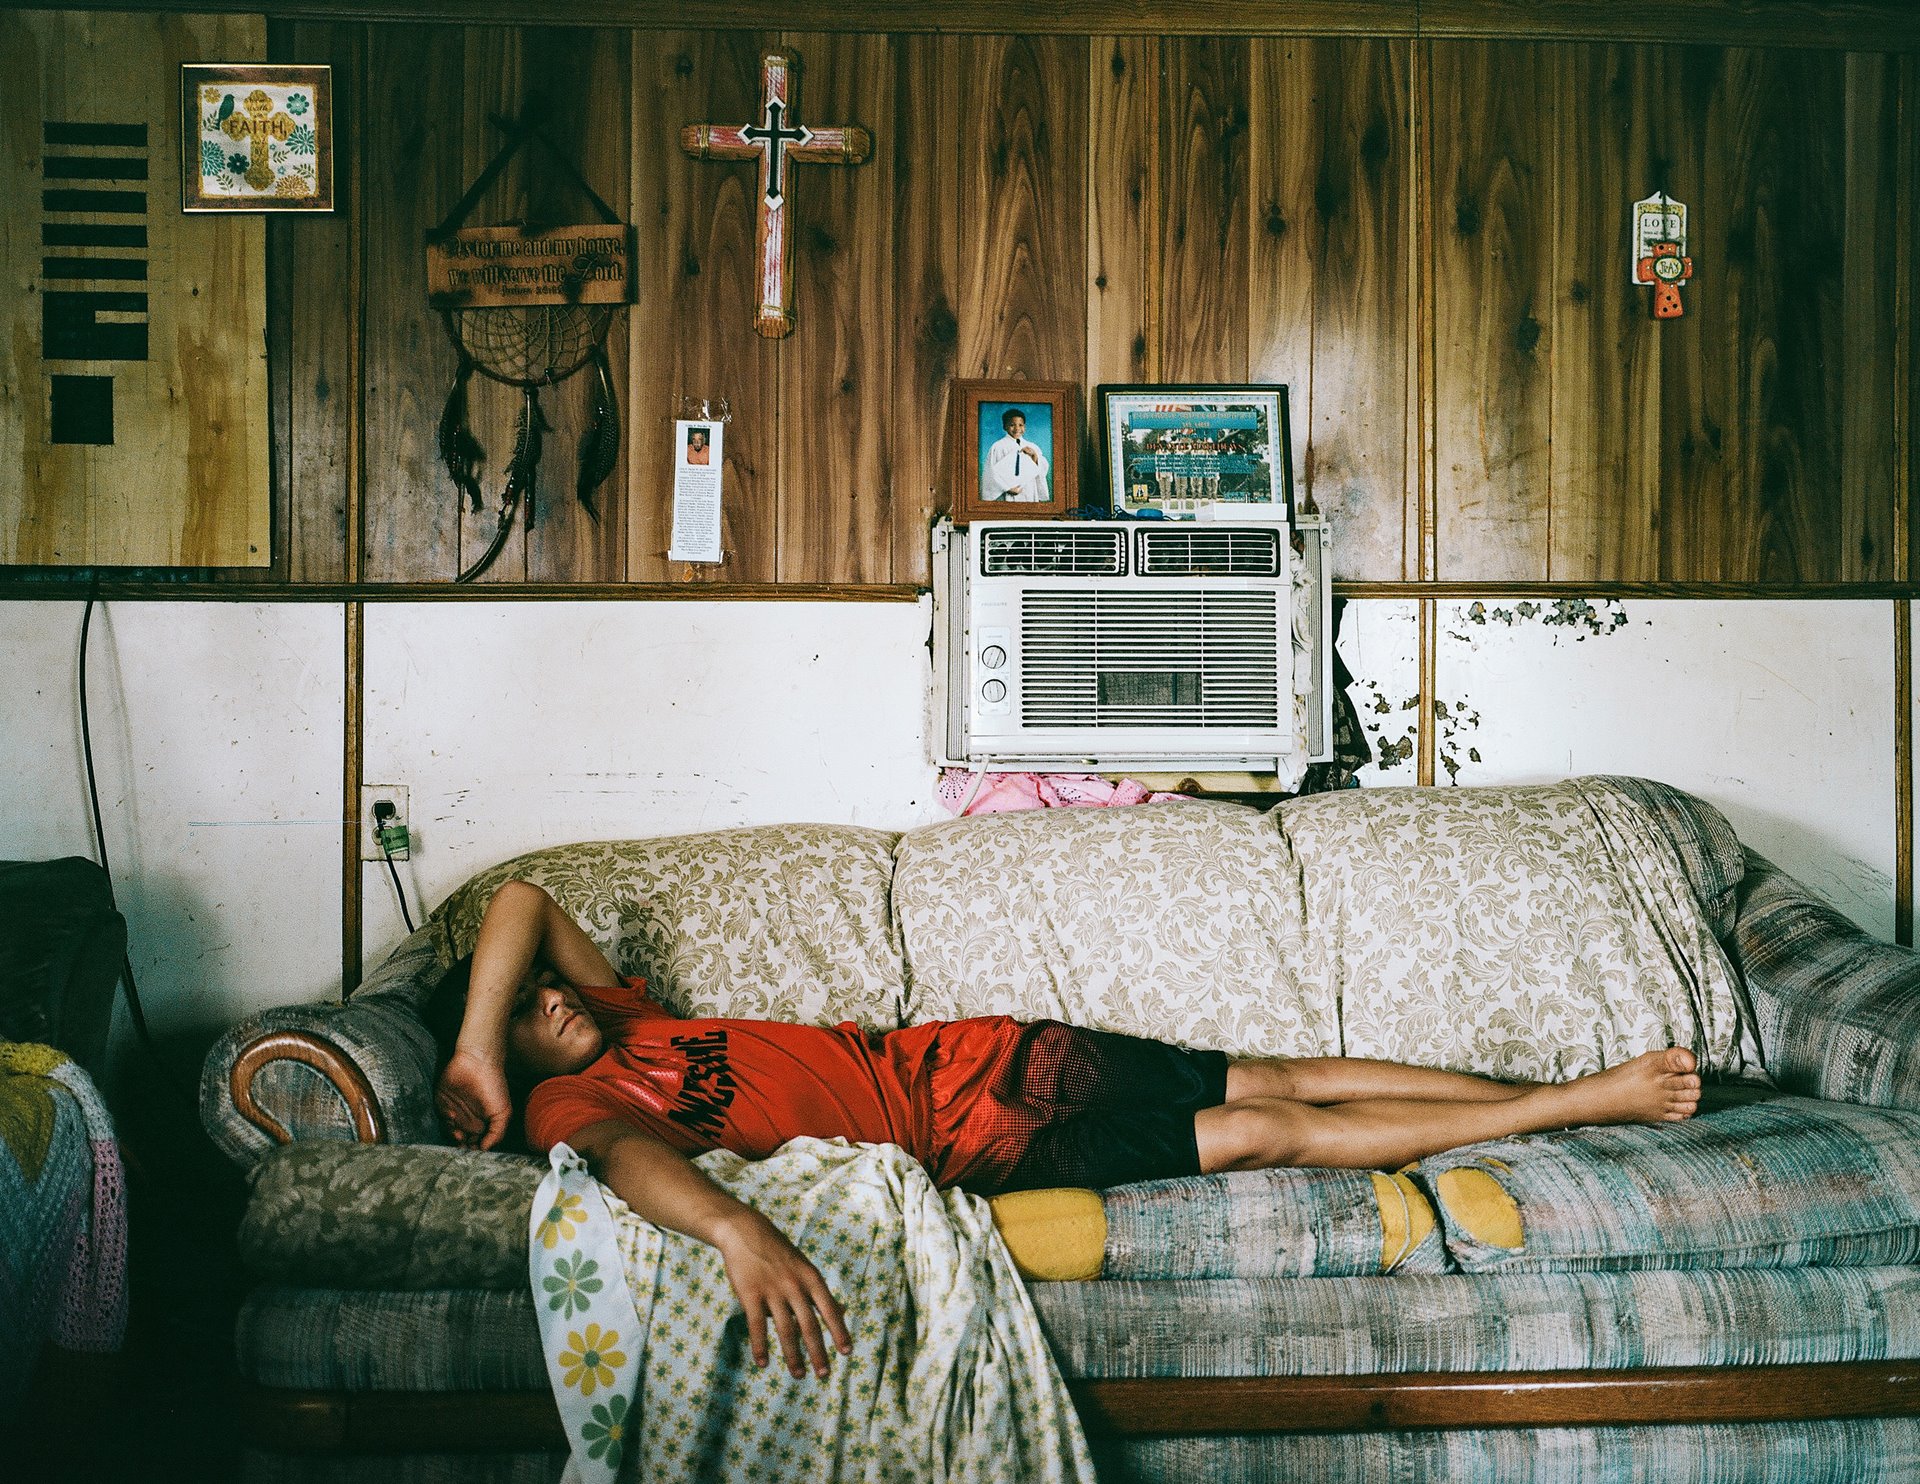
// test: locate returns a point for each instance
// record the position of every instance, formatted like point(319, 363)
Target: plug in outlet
point(373, 795)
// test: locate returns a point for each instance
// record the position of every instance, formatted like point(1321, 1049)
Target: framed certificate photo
point(1173, 450)
point(1016, 449)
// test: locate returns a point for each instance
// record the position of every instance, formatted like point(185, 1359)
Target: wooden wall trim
point(1872, 25)
point(137, 590)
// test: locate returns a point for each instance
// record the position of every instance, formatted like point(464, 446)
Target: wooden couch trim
point(285, 1420)
point(324, 1057)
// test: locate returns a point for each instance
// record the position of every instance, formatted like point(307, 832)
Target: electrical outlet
point(370, 795)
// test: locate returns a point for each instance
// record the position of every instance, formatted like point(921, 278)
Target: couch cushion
point(1785, 1182)
point(444, 1339)
point(465, 1339)
point(1111, 1329)
point(1271, 1224)
point(783, 922)
point(402, 1216)
point(1530, 932)
point(1165, 920)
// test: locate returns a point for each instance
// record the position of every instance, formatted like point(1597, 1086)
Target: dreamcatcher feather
point(600, 444)
point(522, 471)
point(460, 451)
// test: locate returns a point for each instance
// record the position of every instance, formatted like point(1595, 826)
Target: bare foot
point(1655, 1087)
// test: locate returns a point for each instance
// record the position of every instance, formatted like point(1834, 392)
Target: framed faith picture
point(256, 138)
point(1015, 449)
point(1172, 450)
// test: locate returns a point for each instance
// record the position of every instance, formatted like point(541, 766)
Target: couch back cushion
point(1529, 932)
point(782, 922)
point(1176, 921)
point(1784, 1182)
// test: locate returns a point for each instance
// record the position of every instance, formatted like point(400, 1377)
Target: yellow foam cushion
point(1479, 1205)
point(1053, 1234)
point(1406, 1218)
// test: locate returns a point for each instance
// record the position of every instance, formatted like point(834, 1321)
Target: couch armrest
point(358, 1070)
point(1838, 1010)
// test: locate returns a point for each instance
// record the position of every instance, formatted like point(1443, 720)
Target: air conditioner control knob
point(994, 690)
point(993, 656)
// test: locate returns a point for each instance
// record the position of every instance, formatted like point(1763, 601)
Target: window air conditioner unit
point(1132, 644)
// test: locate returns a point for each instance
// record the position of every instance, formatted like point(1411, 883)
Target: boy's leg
point(1346, 1079)
point(1383, 1133)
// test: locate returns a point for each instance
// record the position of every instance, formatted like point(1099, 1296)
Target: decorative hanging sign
point(778, 140)
point(528, 307)
point(1659, 250)
point(483, 267)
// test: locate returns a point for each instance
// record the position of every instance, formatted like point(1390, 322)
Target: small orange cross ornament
point(1668, 269)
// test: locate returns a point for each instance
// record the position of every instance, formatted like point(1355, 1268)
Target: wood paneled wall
point(1426, 239)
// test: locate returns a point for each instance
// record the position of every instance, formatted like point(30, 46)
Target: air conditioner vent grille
point(1198, 552)
point(1053, 552)
point(1164, 658)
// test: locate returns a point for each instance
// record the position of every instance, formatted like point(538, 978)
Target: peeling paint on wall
point(1457, 722)
point(1378, 719)
point(1451, 725)
point(1576, 614)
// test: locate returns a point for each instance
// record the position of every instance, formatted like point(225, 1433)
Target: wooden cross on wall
point(777, 141)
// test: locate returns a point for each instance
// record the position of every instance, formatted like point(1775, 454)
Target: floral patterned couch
point(1737, 1298)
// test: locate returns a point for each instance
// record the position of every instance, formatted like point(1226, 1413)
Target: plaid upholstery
point(1483, 1322)
point(1709, 851)
point(1838, 1011)
point(1853, 1451)
point(1267, 1224)
point(467, 1339)
point(1782, 1183)
point(444, 1339)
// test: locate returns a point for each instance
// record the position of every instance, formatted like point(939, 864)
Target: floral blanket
point(63, 1223)
point(950, 1378)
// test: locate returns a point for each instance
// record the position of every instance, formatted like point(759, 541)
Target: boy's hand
point(471, 1099)
point(773, 1281)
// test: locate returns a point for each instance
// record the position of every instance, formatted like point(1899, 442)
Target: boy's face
point(550, 1031)
point(1016, 425)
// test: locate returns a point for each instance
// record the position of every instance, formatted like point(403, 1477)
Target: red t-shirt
point(751, 1085)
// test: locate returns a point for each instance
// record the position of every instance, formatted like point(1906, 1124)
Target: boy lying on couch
point(989, 1104)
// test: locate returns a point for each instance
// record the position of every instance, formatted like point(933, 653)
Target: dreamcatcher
point(528, 307)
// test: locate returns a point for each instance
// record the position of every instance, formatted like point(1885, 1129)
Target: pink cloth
point(998, 793)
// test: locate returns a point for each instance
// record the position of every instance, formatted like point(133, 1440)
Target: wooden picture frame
point(1172, 449)
point(991, 482)
point(256, 137)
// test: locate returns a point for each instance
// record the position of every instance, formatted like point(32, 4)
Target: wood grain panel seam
point(352, 739)
point(1423, 340)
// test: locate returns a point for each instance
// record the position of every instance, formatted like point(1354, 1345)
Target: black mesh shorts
point(1093, 1108)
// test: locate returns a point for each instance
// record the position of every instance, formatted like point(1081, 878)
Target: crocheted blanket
point(949, 1379)
point(63, 1223)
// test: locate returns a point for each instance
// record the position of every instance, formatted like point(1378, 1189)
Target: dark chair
point(61, 948)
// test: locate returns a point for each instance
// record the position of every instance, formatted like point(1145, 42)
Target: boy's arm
point(522, 925)
point(770, 1276)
